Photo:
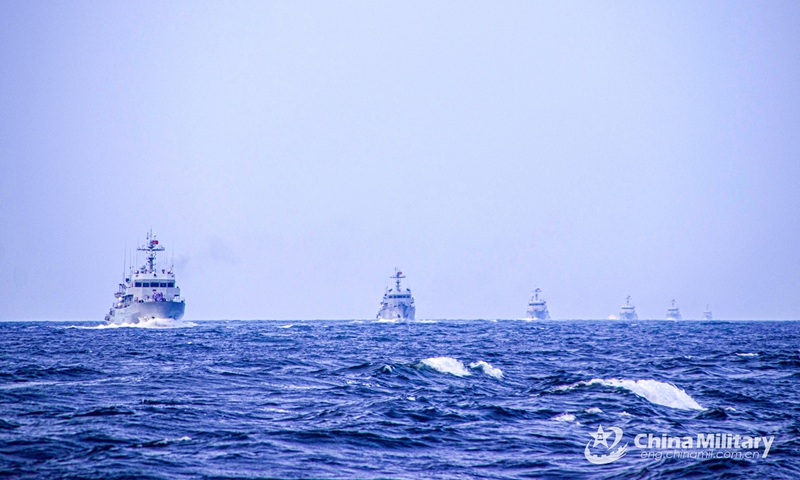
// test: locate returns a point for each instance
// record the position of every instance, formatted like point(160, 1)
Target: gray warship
point(628, 311)
point(397, 304)
point(673, 312)
point(147, 293)
point(537, 309)
point(707, 314)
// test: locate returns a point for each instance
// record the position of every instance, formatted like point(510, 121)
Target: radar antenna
point(150, 248)
point(397, 276)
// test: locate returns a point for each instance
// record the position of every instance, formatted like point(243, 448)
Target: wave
point(747, 354)
point(487, 369)
point(446, 365)
point(660, 393)
point(151, 323)
point(165, 442)
point(565, 417)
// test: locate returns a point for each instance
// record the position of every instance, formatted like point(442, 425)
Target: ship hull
point(143, 311)
point(628, 316)
point(536, 314)
point(399, 312)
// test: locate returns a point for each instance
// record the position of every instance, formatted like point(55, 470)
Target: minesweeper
point(628, 311)
point(673, 312)
point(537, 308)
point(147, 293)
point(397, 304)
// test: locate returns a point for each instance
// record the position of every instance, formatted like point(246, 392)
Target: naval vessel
point(628, 311)
point(397, 304)
point(673, 312)
point(537, 308)
point(147, 293)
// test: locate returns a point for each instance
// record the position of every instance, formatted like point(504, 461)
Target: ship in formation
point(673, 312)
point(397, 303)
point(537, 308)
point(628, 311)
point(707, 313)
point(147, 293)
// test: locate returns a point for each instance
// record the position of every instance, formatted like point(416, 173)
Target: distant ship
point(628, 311)
point(397, 304)
point(146, 293)
point(673, 312)
point(537, 309)
point(707, 314)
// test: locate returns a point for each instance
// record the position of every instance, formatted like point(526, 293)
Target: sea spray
point(487, 369)
point(446, 365)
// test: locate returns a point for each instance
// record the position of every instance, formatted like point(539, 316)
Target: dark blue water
point(356, 400)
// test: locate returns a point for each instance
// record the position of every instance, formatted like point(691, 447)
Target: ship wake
point(144, 323)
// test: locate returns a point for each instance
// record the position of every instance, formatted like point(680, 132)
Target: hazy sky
point(292, 154)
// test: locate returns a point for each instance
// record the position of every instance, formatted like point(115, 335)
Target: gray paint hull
point(147, 311)
point(399, 312)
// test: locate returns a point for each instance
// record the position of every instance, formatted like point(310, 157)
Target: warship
point(147, 293)
point(397, 304)
point(537, 308)
point(673, 312)
point(707, 314)
point(628, 311)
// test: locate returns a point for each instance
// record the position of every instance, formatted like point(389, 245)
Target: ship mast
point(150, 249)
point(536, 293)
point(397, 276)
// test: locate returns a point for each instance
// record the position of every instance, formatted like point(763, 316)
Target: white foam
point(150, 323)
point(446, 365)
point(565, 417)
point(167, 441)
point(387, 369)
point(747, 354)
point(286, 326)
point(593, 410)
point(488, 369)
point(654, 391)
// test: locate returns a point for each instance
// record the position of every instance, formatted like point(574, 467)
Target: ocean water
point(445, 399)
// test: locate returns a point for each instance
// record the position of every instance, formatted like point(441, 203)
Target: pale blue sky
point(294, 153)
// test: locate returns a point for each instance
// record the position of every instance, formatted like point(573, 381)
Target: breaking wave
point(487, 369)
point(446, 365)
point(660, 393)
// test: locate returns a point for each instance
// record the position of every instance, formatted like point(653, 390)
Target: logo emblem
point(601, 437)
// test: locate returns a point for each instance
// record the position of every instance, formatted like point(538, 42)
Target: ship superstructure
point(628, 311)
point(397, 304)
point(673, 312)
point(537, 308)
point(707, 314)
point(147, 293)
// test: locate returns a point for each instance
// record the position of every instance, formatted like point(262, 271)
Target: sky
point(290, 155)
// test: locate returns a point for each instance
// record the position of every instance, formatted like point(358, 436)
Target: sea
point(428, 399)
